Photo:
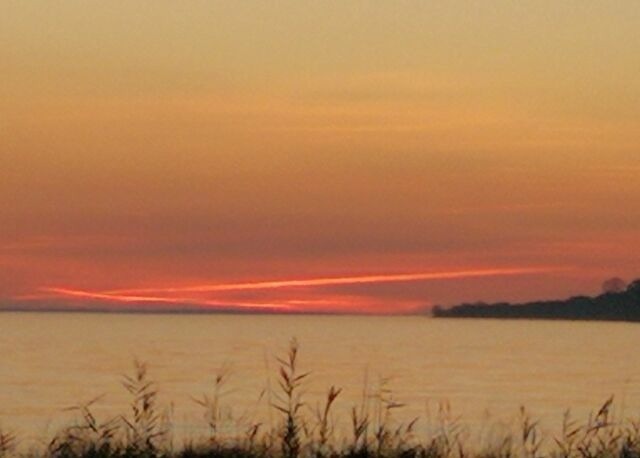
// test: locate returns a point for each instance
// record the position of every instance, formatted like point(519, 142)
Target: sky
point(299, 156)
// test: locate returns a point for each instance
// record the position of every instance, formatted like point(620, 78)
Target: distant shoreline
point(199, 312)
point(623, 305)
point(617, 306)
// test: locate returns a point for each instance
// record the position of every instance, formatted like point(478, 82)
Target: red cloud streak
point(352, 280)
point(292, 303)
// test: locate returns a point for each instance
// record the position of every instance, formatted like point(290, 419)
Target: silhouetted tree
point(634, 288)
point(614, 305)
point(614, 285)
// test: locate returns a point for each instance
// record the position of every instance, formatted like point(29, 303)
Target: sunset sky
point(335, 156)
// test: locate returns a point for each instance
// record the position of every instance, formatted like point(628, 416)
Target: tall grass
point(7, 443)
point(303, 430)
point(145, 427)
point(289, 402)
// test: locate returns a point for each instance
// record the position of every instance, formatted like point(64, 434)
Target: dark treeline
point(623, 305)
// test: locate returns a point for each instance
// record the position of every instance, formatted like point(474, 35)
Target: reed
point(88, 437)
point(144, 425)
point(303, 431)
point(213, 409)
point(289, 401)
point(7, 443)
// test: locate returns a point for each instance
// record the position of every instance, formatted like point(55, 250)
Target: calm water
point(53, 361)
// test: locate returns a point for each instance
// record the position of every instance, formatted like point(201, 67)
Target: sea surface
point(483, 369)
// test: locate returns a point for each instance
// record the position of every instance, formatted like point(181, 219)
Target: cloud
point(348, 280)
point(77, 293)
point(309, 295)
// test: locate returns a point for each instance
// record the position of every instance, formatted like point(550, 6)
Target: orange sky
point(486, 150)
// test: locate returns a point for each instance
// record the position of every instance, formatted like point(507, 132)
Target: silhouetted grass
point(305, 431)
point(7, 443)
